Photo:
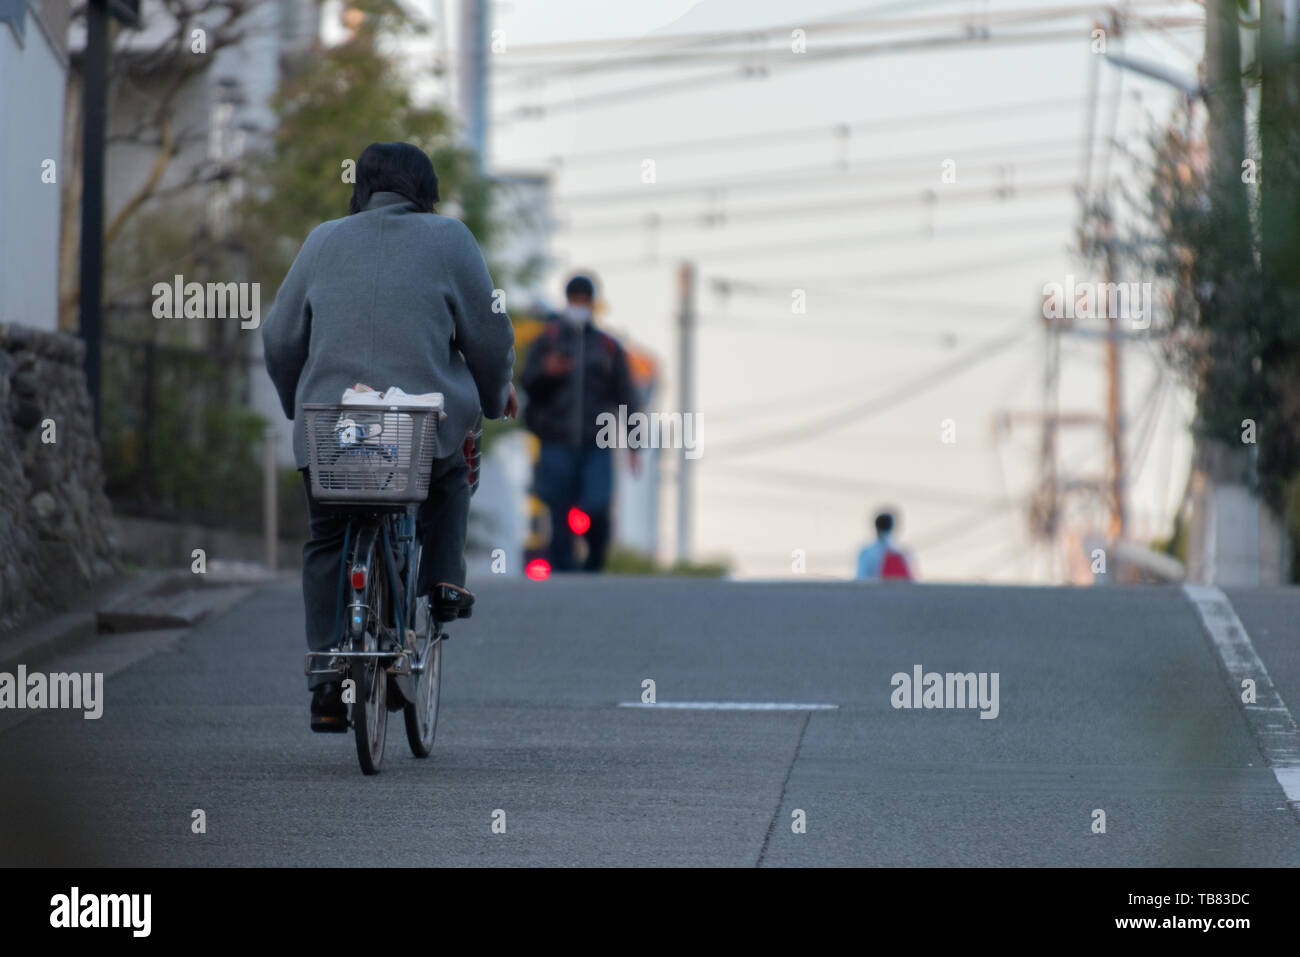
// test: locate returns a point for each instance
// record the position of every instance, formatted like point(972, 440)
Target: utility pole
point(1233, 262)
point(94, 98)
point(685, 400)
point(471, 85)
point(1279, 139)
point(1114, 394)
point(1279, 183)
point(1229, 210)
point(443, 61)
point(1049, 475)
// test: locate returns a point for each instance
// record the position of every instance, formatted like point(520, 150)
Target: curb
point(59, 634)
point(145, 604)
point(108, 607)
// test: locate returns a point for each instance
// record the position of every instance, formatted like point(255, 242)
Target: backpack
point(895, 566)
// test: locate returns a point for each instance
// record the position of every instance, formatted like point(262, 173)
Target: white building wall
point(32, 70)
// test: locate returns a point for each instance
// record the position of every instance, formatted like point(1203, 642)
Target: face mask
point(577, 315)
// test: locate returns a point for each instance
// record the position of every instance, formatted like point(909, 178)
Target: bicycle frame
point(394, 534)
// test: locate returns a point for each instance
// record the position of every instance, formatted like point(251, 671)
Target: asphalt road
point(1110, 699)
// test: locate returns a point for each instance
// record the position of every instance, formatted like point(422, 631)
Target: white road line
point(1279, 738)
point(731, 706)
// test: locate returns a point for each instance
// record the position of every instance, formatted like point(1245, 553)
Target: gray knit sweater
point(390, 297)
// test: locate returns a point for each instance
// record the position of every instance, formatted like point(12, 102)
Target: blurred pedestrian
point(881, 559)
point(573, 374)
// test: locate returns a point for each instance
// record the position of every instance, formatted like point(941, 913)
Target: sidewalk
point(146, 600)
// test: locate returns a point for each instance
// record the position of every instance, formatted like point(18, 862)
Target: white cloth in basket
point(364, 395)
point(368, 435)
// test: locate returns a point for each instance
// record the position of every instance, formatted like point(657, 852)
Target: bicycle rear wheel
point(370, 709)
point(422, 713)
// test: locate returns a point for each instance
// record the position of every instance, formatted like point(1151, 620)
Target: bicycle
point(374, 464)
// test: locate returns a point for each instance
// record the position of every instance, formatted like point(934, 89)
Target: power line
point(746, 69)
point(751, 410)
point(918, 337)
point(713, 37)
point(783, 137)
point(1005, 258)
point(876, 404)
point(1152, 407)
point(951, 305)
point(759, 59)
point(852, 390)
point(972, 28)
point(970, 522)
point(806, 319)
point(1033, 254)
point(1002, 259)
point(785, 247)
point(622, 96)
point(721, 219)
point(821, 174)
point(858, 487)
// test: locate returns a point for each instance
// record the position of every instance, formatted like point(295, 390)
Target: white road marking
point(1279, 738)
point(731, 706)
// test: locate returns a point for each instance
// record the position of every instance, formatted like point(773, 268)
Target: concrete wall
point(158, 544)
point(1233, 538)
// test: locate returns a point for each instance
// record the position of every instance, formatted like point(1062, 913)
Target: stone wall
point(56, 537)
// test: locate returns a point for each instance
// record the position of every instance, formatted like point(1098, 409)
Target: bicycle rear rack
point(402, 663)
point(399, 665)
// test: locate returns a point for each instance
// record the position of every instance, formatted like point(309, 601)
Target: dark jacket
point(599, 376)
point(390, 297)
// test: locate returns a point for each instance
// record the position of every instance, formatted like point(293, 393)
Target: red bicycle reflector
point(579, 521)
point(539, 569)
point(358, 578)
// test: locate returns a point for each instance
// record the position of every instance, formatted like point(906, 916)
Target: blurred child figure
point(881, 559)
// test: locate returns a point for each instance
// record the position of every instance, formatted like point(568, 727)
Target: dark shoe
point(451, 602)
point(328, 712)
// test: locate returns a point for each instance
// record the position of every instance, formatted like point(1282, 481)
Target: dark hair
point(580, 286)
point(395, 168)
point(884, 523)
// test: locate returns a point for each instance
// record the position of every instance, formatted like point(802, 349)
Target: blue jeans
point(569, 476)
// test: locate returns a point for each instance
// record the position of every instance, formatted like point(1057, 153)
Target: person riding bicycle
point(391, 294)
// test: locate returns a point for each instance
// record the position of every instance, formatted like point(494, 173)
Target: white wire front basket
point(362, 455)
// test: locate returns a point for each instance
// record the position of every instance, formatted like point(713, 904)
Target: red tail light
point(579, 521)
point(539, 569)
point(358, 578)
